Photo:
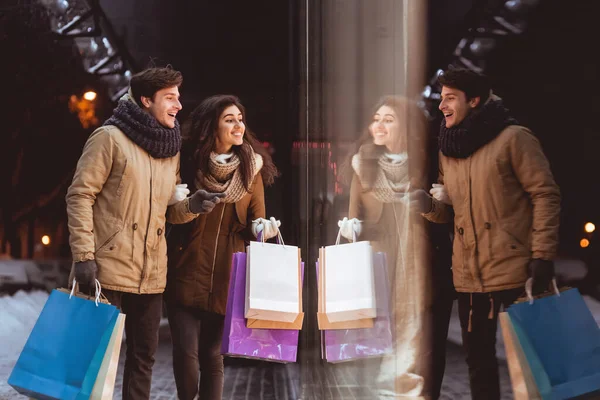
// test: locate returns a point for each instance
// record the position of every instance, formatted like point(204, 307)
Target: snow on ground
point(18, 314)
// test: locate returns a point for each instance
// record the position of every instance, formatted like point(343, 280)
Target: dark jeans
point(196, 339)
point(480, 343)
point(440, 321)
point(143, 312)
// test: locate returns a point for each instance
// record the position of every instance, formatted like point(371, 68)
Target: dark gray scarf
point(476, 130)
point(145, 131)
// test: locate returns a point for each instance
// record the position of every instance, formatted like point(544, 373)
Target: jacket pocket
point(108, 241)
point(489, 236)
point(134, 233)
point(459, 251)
point(122, 180)
point(106, 229)
point(513, 244)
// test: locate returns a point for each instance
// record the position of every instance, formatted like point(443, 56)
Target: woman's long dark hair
point(416, 127)
point(199, 137)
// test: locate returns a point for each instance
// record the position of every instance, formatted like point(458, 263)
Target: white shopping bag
point(349, 281)
point(273, 282)
point(105, 382)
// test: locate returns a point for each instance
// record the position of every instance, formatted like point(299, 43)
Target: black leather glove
point(85, 275)
point(203, 202)
point(420, 201)
point(541, 272)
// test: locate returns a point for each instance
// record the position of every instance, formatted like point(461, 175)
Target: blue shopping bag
point(561, 331)
point(63, 354)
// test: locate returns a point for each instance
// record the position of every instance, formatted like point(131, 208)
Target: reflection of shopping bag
point(322, 319)
point(350, 344)
point(273, 282)
point(347, 288)
point(64, 352)
point(523, 382)
point(105, 382)
point(240, 341)
point(562, 333)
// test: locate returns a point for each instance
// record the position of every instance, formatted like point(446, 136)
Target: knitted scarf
point(144, 130)
point(226, 178)
point(476, 130)
point(392, 179)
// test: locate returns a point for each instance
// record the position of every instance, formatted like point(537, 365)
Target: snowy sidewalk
point(18, 314)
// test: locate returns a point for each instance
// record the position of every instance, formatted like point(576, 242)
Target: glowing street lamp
point(589, 227)
point(45, 240)
point(90, 95)
point(584, 243)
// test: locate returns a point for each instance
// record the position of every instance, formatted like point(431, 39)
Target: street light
point(90, 95)
point(45, 240)
point(589, 227)
point(584, 243)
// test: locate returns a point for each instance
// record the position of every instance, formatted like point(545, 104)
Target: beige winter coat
point(117, 209)
point(506, 211)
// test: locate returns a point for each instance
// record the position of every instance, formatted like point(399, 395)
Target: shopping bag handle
point(98, 290)
point(278, 238)
point(339, 236)
point(529, 289)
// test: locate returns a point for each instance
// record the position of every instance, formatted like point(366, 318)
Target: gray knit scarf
point(144, 130)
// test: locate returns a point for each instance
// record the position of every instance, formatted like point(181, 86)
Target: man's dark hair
point(149, 81)
point(470, 82)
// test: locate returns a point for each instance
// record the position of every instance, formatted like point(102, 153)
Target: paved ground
point(249, 380)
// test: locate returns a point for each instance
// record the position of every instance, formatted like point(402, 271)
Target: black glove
point(541, 272)
point(420, 201)
point(85, 275)
point(203, 202)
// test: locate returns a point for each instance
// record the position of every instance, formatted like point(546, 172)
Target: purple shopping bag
point(341, 345)
point(277, 345)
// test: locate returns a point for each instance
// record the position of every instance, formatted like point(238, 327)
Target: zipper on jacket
point(212, 272)
point(145, 263)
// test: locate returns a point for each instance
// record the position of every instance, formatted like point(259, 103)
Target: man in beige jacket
point(506, 209)
point(117, 207)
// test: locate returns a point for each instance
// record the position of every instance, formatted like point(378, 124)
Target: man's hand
point(541, 273)
point(439, 192)
point(85, 274)
point(180, 193)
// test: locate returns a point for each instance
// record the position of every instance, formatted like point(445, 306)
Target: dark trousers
point(480, 342)
point(440, 320)
point(143, 312)
point(196, 339)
